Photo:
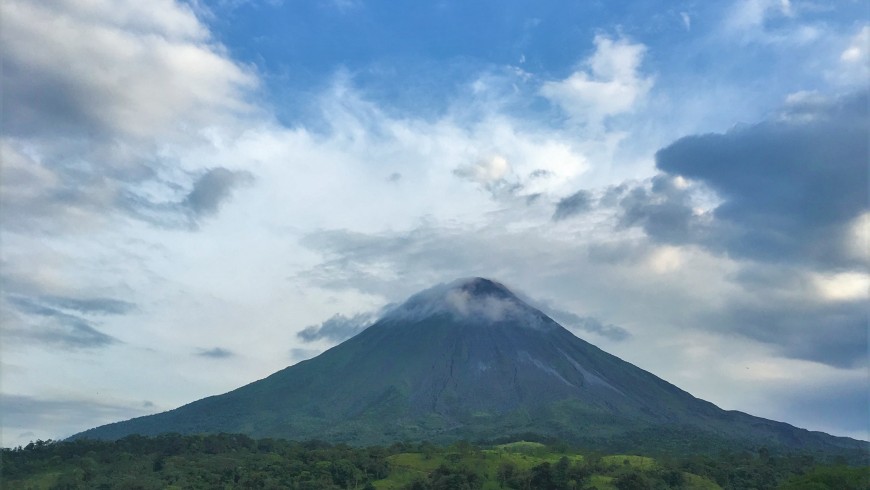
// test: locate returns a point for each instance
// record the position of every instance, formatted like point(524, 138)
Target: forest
point(225, 461)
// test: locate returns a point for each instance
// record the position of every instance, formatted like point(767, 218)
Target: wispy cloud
point(338, 328)
point(216, 353)
point(51, 326)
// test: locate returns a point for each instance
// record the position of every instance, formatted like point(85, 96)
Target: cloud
point(99, 306)
point(145, 69)
point(37, 197)
point(213, 188)
point(791, 188)
point(216, 353)
point(84, 140)
point(337, 328)
point(663, 210)
point(485, 171)
point(588, 324)
point(34, 320)
point(830, 333)
point(56, 418)
point(206, 196)
point(854, 66)
point(687, 20)
point(577, 203)
point(843, 401)
point(752, 14)
point(464, 299)
point(491, 174)
point(609, 84)
point(784, 199)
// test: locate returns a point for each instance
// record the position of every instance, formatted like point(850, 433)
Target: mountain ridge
point(468, 359)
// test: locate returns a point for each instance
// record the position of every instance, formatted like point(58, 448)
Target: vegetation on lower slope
point(236, 461)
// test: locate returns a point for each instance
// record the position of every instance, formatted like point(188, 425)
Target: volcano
point(470, 360)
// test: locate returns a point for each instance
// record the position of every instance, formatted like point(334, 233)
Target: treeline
point(742, 471)
point(193, 462)
point(237, 461)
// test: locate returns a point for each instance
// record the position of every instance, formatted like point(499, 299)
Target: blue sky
point(197, 194)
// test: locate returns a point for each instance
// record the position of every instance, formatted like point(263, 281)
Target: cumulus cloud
point(791, 188)
point(663, 209)
point(485, 171)
point(609, 83)
point(337, 328)
point(783, 198)
point(491, 174)
point(88, 91)
point(144, 70)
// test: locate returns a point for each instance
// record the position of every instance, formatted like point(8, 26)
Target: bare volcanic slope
point(471, 360)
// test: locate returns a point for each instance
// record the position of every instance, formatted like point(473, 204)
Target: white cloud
point(854, 66)
point(857, 50)
point(485, 170)
point(113, 68)
point(95, 95)
point(844, 286)
point(687, 20)
point(609, 84)
point(752, 14)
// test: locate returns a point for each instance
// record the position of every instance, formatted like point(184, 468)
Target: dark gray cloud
point(52, 326)
point(212, 189)
point(338, 328)
point(208, 193)
point(663, 210)
point(833, 333)
point(787, 191)
point(790, 186)
point(577, 203)
point(216, 353)
point(540, 174)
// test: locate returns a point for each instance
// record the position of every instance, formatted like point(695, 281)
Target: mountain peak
point(481, 287)
point(481, 300)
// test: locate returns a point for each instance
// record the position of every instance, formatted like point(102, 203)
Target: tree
point(632, 480)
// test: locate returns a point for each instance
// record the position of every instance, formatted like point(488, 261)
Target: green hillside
point(225, 461)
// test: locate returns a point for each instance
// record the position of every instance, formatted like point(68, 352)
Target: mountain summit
point(469, 359)
point(475, 301)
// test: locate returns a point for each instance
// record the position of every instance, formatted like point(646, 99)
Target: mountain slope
point(468, 359)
